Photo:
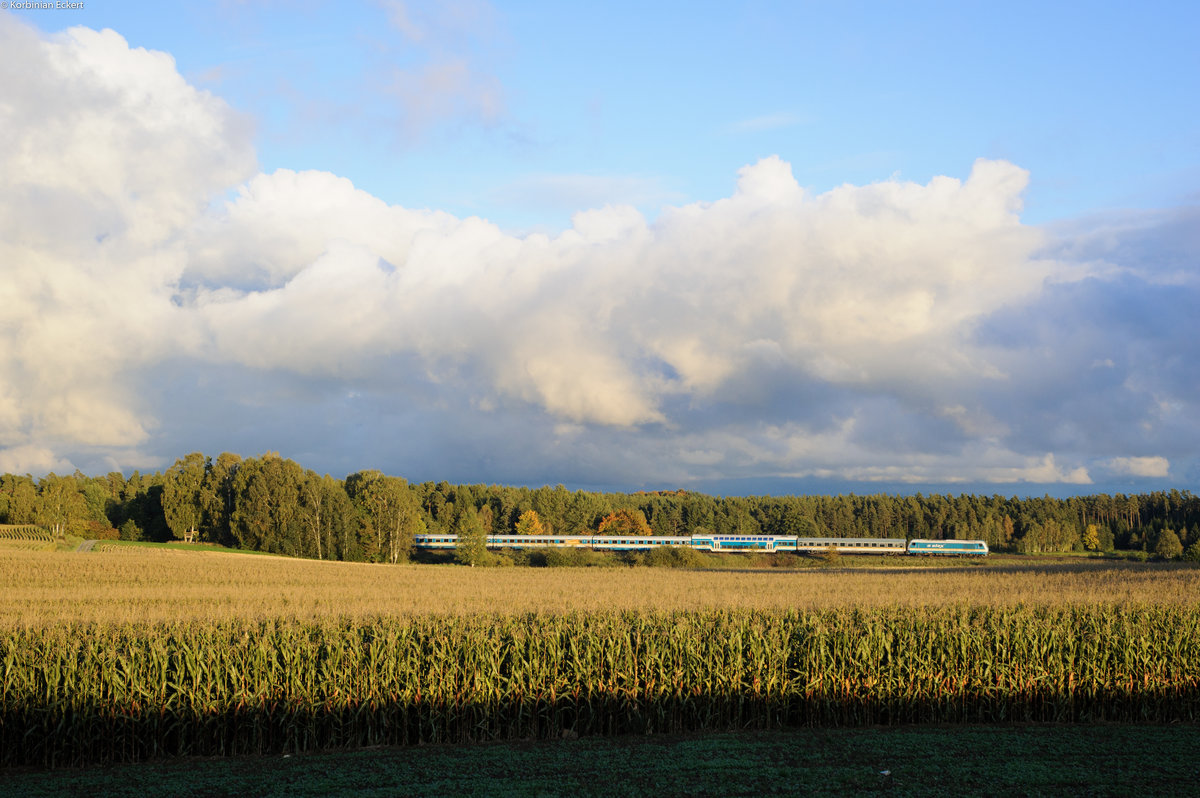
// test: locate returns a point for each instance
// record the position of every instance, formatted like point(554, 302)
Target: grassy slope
point(1034, 760)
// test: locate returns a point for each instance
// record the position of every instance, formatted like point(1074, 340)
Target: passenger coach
point(722, 543)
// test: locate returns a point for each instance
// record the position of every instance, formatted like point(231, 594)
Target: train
point(722, 543)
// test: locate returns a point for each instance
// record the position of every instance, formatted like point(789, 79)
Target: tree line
point(273, 504)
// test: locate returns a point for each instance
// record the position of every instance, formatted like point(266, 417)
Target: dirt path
point(86, 545)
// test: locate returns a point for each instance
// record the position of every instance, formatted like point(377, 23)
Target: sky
point(745, 248)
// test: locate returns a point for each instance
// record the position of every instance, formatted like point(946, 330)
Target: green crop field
point(131, 655)
point(84, 694)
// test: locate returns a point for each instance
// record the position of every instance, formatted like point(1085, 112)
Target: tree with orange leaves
point(624, 522)
point(530, 524)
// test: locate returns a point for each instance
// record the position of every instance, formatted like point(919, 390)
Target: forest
point(273, 504)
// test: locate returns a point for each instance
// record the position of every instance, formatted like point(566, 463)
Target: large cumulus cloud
point(109, 158)
point(894, 331)
point(604, 323)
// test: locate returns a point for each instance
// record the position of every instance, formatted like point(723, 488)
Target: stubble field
point(121, 585)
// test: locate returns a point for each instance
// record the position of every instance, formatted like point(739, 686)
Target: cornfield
point(76, 694)
point(26, 536)
point(25, 532)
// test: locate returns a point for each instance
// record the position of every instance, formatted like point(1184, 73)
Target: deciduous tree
point(624, 522)
point(471, 548)
point(1168, 546)
point(59, 502)
point(183, 495)
point(530, 524)
point(217, 496)
point(267, 513)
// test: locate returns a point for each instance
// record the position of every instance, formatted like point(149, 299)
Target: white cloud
point(109, 157)
point(1140, 466)
point(606, 321)
point(402, 20)
point(32, 459)
point(448, 88)
point(887, 332)
point(448, 23)
point(279, 223)
point(447, 82)
point(1045, 471)
point(841, 451)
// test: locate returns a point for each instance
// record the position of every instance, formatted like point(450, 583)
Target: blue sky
point(836, 246)
point(662, 103)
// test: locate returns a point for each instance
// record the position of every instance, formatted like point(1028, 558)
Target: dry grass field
point(121, 585)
